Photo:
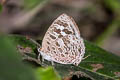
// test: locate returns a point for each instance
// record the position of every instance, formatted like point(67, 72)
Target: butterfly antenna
point(32, 40)
point(35, 42)
point(86, 57)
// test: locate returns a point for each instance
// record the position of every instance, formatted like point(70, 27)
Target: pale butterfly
point(62, 42)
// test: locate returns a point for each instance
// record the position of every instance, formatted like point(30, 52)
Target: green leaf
point(0, 7)
point(46, 74)
point(30, 4)
point(100, 65)
point(11, 67)
point(23, 42)
point(113, 4)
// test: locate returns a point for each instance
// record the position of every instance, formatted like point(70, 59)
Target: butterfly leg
point(52, 62)
point(39, 55)
point(28, 58)
point(40, 58)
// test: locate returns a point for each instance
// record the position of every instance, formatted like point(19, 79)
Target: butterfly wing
point(61, 27)
point(63, 35)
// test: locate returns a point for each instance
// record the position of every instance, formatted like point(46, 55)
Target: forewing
point(62, 26)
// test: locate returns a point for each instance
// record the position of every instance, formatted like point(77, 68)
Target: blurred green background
point(98, 22)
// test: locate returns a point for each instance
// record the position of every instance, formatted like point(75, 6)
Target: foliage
point(100, 65)
point(0, 8)
point(12, 67)
point(47, 73)
point(114, 6)
point(30, 4)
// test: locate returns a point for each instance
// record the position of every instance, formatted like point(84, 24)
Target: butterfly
point(62, 42)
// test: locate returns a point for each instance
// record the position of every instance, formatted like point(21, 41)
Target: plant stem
point(108, 32)
point(114, 5)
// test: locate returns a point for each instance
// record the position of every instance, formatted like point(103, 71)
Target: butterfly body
point(62, 42)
